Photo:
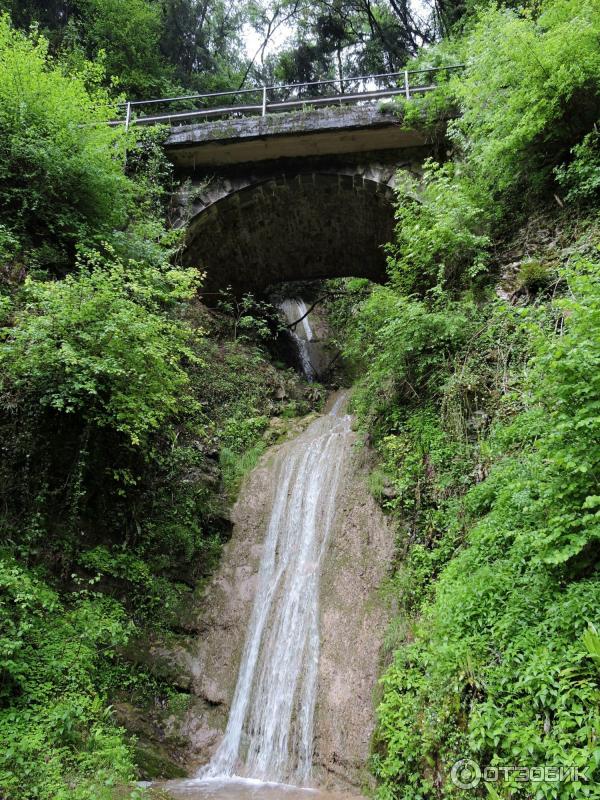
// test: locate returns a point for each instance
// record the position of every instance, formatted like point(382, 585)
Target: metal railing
point(265, 100)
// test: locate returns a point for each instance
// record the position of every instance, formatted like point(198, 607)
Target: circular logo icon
point(466, 774)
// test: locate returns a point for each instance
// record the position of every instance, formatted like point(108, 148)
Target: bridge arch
point(254, 231)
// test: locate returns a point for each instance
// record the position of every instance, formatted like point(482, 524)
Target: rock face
point(354, 617)
point(352, 622)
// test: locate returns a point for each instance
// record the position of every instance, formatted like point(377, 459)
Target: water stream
point(269, 735)
point(295, 309)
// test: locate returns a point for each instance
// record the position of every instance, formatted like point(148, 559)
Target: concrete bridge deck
point(293, 135)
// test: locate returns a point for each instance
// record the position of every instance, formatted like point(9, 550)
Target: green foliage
point(591, 641)
point(97, 344)
point(249, 317)
point(526, 98)
point(581, 177)
point(111, 419)
point(485, 419)
point(148, 48)
point(128, 34)
point(124, 423)
point(235, 465)
point(152, 172)
point(505, 577)
point(498, 524)
point(61, 178)
point(235, 383)
point(534, 274)
point(530, 87)
point(239, 434)
point(241, 449)
point(568, 388)
point(441, 237)
point(403, 342)
point(59, 739)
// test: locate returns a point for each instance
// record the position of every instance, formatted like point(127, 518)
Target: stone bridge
point(291, 196)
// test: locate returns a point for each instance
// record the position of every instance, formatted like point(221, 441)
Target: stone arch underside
point(292, 227)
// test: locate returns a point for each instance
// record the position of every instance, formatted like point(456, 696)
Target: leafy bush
point(61, 176)
point(501, 670)
point(401, 345)
point(530, 88)
point(568, 388)
point(96, 344)
point(534, 274)
point(581, 177)
point(527, 96)
point(441, 231)
point(59, 740)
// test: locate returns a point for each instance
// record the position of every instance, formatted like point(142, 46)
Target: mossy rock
point(154, 762)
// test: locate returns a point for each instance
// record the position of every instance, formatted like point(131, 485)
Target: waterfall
point(269, 734)
point(295, 309)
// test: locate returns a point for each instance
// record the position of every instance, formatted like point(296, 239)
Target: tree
point(339, 38)
point(61, 168)
point(202, 40)
point(149, 47)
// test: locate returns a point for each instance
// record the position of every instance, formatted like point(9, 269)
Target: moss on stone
point(154, 762)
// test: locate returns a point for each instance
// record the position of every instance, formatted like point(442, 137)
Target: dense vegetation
point(158, 48)
point(120, 394)
point(484, 409)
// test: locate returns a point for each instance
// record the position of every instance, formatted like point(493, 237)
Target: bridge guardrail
point(265, 100)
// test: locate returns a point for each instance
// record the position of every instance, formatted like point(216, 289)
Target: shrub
point(503, 667)
point(530, 88)
point(59, 740)
point(581, 177)
point(403, 345)
point(61, 176)
point(534, 274)
point(98, 344)
point(527, 96)
point(441, 232)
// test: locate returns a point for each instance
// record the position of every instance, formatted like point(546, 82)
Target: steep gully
point(296, 315)
point(301, 712)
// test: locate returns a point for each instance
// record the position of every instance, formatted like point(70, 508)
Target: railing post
point(406, 86)
point(127, 115)
point(264, 102)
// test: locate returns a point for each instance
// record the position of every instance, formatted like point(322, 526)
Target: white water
point(269, 734)
point(293, 309)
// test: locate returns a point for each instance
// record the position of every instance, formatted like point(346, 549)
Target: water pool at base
point(240, 789)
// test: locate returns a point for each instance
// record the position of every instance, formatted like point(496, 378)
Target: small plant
point(377, 484)
point(250, 319)
point(534, 275)
point(234, 467)
point(591, 641)
point(290, 410)
point(581, 177)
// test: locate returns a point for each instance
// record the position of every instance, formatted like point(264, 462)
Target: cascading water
point(295, 309)
point(269, 733)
